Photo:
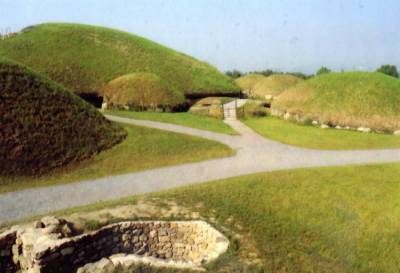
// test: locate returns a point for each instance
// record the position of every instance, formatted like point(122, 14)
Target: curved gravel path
point(254, 154)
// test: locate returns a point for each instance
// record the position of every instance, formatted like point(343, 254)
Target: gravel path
point(254, 154)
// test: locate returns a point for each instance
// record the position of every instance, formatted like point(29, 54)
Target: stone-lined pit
point(48, 249)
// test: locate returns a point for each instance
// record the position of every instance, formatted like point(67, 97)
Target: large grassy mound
point(84, 58)
point(44, 126)
point(258, 86)
point(349, 99)
point(141, 91)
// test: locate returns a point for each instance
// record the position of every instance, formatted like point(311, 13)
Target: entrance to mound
point(92, 98)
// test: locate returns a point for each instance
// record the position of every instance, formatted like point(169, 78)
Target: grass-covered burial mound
point(141, 91)
point(356, 99)
point(261, 87)
point(44, 126)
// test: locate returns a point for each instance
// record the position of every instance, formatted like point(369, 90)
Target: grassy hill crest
point(84, 58)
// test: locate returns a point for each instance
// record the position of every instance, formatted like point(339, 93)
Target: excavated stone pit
point(49, 247)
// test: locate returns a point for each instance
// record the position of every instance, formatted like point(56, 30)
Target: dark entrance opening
point(197, 96)
point(92, 98)
point(192, 98)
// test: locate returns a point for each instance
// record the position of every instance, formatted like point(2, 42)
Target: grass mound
point(84, 58)
point(247, 82)
point(44, 126)
point(210, 106)
point(253, 108)
point(350, 99)
point(258, 86)
point(274, 85)
point(141, 91)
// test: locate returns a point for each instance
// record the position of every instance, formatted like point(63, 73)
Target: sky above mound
point(287, 35)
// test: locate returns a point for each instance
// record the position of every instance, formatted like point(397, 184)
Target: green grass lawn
point(144, 148)
point(341, 219)
point(317, 138)
point(185, 119)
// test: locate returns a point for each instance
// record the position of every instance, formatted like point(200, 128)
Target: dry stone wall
point(189, 243)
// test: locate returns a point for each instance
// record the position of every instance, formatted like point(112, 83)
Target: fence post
point(236, 112)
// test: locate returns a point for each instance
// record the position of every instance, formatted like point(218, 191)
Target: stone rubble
point(324, 126)
point(7, 241)
point(299, 118)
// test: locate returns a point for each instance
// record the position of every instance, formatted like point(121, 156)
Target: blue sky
point(289, 35)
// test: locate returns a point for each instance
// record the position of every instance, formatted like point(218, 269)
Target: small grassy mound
point(44, 126)
point(274, 85)
point(259, 86)
point(84, 58)
point(141, 91)
point(211, 106)
point(247, 82)
point(350, 99)
point(253, 108)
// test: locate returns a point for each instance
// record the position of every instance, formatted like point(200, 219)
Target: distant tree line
point(323, 70)
point(235, 74)
point(387, 69)
point(268, 72)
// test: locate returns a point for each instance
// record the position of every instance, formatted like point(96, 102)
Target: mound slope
point(141, 91)
point(356, 99)
point(84, 58)
point(274, 85)
point(44, 126)
point(247, 82)
point(259, 86)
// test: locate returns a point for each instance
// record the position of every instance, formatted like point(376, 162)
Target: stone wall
point(7, 240)
point(189, 243)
